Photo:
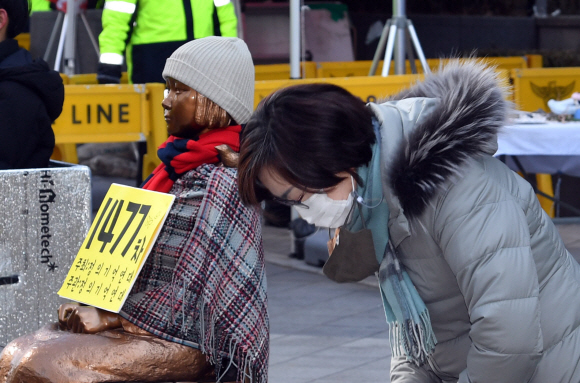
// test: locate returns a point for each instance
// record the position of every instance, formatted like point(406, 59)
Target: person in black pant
point(31, 96)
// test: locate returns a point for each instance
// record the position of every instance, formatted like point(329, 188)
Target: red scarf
point(180, 155)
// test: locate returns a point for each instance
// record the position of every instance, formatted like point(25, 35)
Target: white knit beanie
point(221, 69)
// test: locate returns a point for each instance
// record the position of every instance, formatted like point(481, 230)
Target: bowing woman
point(476, 282)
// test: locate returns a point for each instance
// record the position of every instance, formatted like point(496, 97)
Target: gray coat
point(502, 291)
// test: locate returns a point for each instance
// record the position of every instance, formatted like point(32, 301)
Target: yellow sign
point(369, 89)
point(118, 242)
point(534, 87)
point(103, 113)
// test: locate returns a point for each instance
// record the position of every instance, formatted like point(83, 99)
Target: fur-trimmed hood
point(431, 129)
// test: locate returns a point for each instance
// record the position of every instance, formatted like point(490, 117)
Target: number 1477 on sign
point(116, 214)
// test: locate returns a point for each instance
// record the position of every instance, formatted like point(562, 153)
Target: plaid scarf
point(179, 155)
point(411, 334)
point(204, 283)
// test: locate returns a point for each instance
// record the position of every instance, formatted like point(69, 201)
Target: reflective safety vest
point(155, 22)
point(39, 5)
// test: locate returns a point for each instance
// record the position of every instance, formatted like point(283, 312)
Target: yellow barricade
point(158, 128)
point(362, 68)
point(282, 71)
point(23, 40)
point(534, 87)
point(263, 73)
point(535, 61)
point(544, 184)
point(369, 89)
point(509, 63)
point(343, 69)
point(91, 79)
point(505, 81)
point(112, 113)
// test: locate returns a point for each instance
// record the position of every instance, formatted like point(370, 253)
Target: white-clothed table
point(552, 147)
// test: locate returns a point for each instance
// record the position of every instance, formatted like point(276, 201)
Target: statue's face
point(180, 106)
point(188, 113)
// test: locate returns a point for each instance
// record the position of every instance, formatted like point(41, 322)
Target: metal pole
point(90, 33)
point(60, 48)
point(399, 15)
point(389, 50)
point(53, 34)
point(417, 46)
point(70, 40)
point(294, 39)
point(396, 43)
point(380, 47)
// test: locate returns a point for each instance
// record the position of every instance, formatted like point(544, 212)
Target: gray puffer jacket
point(502, 291)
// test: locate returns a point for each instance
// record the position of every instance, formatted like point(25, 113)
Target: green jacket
point(156, 23)
point(39, 5)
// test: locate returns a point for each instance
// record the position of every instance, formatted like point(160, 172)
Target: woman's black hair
point(18, 13)
point(306, 134)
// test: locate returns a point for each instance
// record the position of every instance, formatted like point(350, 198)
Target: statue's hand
point(86, 319)
point(228, 156)
point(64, 312)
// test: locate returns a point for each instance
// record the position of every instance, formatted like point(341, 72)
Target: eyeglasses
point(291, 202)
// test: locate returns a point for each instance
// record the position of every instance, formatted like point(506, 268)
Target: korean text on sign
point(118, 242)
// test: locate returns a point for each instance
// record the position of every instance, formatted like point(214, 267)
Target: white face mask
point(324, 211)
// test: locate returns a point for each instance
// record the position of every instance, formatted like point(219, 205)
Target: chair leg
point(544, 184)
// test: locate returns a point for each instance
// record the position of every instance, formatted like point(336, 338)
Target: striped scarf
point(180, 155)
point(411, 334)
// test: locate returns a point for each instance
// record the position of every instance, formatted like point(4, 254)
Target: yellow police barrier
point(372, 89)
point(263, 73)
point(535, 61)
point(112, 113)
point(23, 40)
point(509, 63)
point(544, 184)
point(362, 68)
point(91, 79)
point(282, 71)
point(369, 89)
point(505, 81)
point(123, 113)
point(65, 152)
point(534, 87)
point(341, 69)
point(158, 128)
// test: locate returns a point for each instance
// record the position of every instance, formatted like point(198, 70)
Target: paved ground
point(322, 331)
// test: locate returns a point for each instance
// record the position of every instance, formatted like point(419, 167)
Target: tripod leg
point(90, 33)
point(410, 53)
point(380, 48)
point(389, 50)
point(418, 48)
point(60, 48)
point(53, 34)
